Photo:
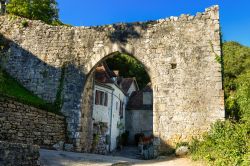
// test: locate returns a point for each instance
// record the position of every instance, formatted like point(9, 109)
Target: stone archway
point(87, 101)
point(179, 54)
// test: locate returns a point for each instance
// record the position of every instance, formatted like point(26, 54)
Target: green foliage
point(57, 23)
point(243, 95)
point(25, 23)
point(129, 67)
point(218, 59)
point(236, 79)
point(182, 144)
point(228, 142)
point(45, 10)
point(59, 102)
point(10, 88)
point(96, 138)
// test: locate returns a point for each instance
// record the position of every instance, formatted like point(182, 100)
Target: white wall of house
point(119, 97)
point(102, 113)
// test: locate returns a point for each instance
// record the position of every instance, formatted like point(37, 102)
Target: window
point(101, 98)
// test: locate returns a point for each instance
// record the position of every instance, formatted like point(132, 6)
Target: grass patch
point(10, 88)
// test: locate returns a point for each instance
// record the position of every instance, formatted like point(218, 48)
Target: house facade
point(109, 106)
point(139, 114)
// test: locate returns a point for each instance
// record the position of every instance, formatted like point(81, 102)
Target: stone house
point(139, 113)
point(111, 94)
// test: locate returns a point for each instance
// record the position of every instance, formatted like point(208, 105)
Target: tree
point(129, 67)
point(45, 10)
point(228, 143)
point(236, 79)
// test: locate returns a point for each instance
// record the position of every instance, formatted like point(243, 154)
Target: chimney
point(116, 72)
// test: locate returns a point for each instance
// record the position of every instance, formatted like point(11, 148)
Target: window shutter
point(106, 99)
point(96, 97)
point(101, 98)
point(121, 109)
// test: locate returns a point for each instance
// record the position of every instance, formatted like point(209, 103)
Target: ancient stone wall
point(18, 154)
point(25, 124)
point(179, 53)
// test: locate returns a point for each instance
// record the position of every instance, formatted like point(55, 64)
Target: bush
point(227, 143)
point(45, 10)
point(25, 23)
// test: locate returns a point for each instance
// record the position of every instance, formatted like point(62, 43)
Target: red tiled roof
point(104, 75)
point(101, 74)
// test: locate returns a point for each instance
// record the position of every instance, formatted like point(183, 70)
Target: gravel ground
point(62, 158)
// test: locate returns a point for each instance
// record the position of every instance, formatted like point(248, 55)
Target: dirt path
point(62, 158)
point(170, 161)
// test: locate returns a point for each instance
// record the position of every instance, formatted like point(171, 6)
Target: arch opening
point(119, 95)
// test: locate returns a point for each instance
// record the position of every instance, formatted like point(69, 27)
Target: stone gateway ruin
point(180, 55)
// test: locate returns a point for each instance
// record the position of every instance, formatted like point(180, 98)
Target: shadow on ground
point(62, 158)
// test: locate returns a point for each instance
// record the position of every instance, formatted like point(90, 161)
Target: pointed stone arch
point(179, 54)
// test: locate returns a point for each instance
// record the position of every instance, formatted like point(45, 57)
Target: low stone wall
point(25, 124)
point(18, 154)
point(99, 143)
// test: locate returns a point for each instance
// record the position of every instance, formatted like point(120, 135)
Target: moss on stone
point(10, 88)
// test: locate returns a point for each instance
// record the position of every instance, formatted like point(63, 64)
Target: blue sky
point(234, 14)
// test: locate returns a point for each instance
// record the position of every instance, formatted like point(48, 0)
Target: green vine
point(59, 102)
point(96, 138)
point(217, 57)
